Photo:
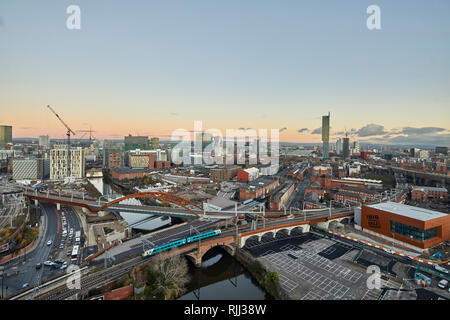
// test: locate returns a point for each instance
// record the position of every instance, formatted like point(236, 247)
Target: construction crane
point(69, 131)
point(90, 133)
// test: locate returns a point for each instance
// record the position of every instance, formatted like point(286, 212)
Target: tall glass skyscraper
point(326, 136)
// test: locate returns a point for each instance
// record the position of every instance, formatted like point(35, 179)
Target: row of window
point(413, 232)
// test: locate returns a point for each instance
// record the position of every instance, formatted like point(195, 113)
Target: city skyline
point(152, 68)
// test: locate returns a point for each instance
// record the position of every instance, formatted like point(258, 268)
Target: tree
point(271, 281)
point(171, 275)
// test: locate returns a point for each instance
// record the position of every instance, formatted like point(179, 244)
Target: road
point(297, 201)
point(26, 265)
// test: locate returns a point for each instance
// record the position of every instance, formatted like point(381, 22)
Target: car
point(443, 284)
point(440, 269)
point(39, 265)
point(49, 242)
point(25, 285)
point(61, 246)
point(60, 260)
point(48, 263)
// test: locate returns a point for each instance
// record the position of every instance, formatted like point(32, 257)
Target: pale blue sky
point(246, 63)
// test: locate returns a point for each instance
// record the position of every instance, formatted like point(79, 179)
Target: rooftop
point(408, 211)
point(423, 188)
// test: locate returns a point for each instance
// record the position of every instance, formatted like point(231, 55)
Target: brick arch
point(253, 236)
point(155, 195)
point(281, 230)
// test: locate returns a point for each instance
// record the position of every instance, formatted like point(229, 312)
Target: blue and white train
point(180, 242)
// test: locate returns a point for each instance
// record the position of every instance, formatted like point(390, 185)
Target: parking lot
point(312, 267)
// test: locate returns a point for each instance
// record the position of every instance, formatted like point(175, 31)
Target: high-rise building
point(44, 141)
point(113, 158)
point(136, 142)
point(58, 162)
point(326, 136)
point(356, 148)
point(5, 136)
point(203, 138)
point(155, 143)
point(339, 146)
point(346, 148)
point(442, 150)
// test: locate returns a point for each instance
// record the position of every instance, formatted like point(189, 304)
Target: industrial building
point(223, 173)
point(280, 196)
point(258, 188)
point(414, 226)
point(425, 194)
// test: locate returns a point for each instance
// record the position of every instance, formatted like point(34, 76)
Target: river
point(220, 277)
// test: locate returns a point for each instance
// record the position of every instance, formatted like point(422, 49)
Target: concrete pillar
point(36, 202)
point(58, 206)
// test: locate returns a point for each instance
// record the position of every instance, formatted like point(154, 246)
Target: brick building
point(425, 194)
point(223, 173)
point(415, 226)
point(258, 188)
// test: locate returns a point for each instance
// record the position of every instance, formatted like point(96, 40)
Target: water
point(130, 218)
point(221, 277)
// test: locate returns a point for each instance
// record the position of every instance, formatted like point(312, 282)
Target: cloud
point(424, 130)
point(317, 131)
point(371, 130)
point(302, 130)
point(282, 129)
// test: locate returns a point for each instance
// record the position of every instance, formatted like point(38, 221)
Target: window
point(413, 232)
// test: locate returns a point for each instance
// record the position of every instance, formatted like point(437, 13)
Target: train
point(180, 242)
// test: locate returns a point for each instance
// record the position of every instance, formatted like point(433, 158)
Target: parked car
point(443, 284)
point(440, 269)
point(48, 263)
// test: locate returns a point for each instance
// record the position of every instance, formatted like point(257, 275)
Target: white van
point(443, 284)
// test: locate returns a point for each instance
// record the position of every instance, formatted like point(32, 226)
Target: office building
point(441, 150)
point(326, 137)
point(44, 141)
point(136, 142)
point(414, 226)
point(29, 169)
point(5, 136)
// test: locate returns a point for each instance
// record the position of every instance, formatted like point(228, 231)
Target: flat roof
point(408, 211)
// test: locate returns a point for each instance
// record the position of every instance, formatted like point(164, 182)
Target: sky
point(150, 67)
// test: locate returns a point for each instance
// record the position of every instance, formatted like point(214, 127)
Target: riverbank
point(268, 280)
